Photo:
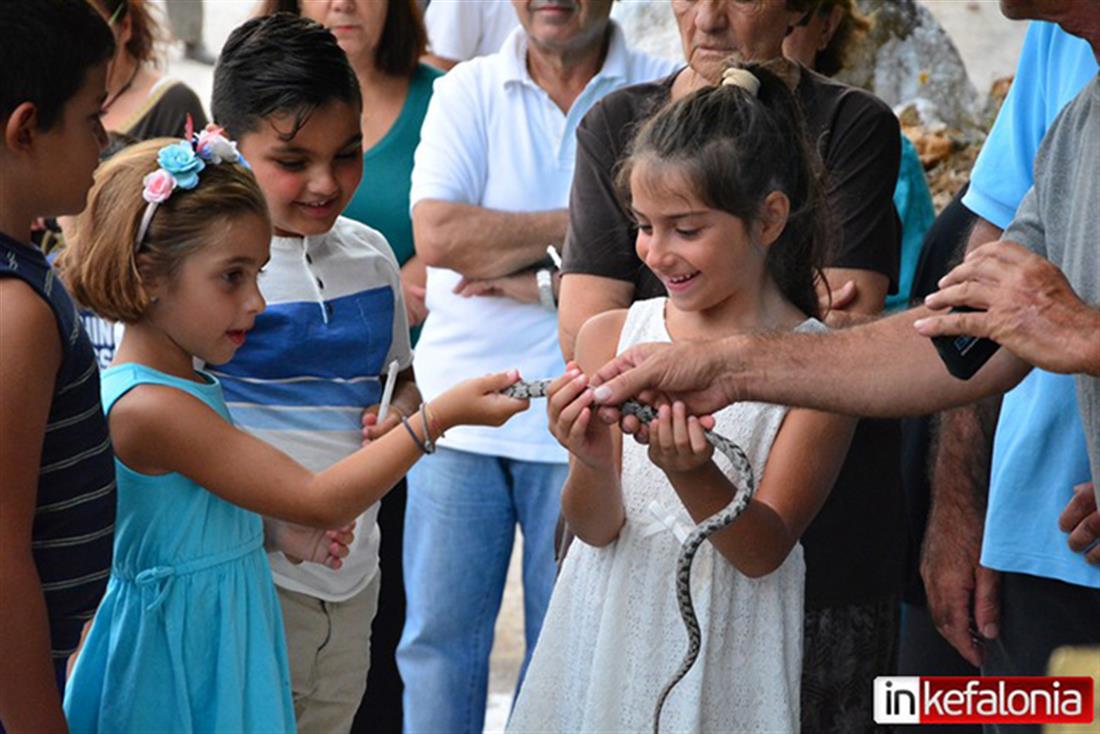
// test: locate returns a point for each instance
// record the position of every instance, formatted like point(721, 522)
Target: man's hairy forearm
point(881, 369)
point(484, 243)
point(960, 457)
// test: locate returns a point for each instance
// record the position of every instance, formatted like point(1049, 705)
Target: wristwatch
point(545, 280)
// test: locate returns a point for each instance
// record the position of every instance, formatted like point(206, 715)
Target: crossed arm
point(483, 243)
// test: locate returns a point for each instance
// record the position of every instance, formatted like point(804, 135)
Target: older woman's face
point(357, 24)
point(564, 25)
point(712, 31)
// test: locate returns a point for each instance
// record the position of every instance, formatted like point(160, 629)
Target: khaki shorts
point(329, 647)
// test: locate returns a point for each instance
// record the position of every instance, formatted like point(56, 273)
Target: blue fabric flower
point(179, 159)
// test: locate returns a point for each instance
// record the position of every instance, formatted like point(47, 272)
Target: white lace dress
point(613, 636)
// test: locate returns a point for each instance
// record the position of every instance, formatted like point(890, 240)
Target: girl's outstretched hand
point(477, 402)
point(569, 409)
point(301, 543)
point(676, 441)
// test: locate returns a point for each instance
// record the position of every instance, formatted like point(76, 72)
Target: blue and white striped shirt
point(312, 363)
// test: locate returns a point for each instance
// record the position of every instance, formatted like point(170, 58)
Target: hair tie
point(179, 165)
point(741, 78)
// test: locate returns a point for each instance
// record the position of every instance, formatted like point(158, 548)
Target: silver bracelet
point(429, 444)
point(545, 280)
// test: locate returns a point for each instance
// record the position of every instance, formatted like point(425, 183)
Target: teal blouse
point(382, 199)
point(913, 201)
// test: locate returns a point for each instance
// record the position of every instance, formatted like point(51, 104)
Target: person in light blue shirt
point(1039, 439)
point(1045, 595)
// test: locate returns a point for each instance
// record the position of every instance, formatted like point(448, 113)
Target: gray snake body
point(721, 519)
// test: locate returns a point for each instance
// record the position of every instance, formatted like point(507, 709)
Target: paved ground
point(989, 45)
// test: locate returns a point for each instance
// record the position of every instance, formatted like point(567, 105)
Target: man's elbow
point(432, 248)
point(429, 234)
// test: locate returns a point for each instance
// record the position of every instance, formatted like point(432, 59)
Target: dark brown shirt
point(164, 114)
point(856, 135)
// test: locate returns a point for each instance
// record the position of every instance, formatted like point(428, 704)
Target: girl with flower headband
point(189, 634)
point(726, 198)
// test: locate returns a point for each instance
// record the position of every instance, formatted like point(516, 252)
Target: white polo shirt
point(493, 138)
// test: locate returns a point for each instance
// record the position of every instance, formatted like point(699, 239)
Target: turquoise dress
point(189, 636)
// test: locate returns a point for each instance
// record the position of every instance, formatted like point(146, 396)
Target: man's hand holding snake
point(657, 374)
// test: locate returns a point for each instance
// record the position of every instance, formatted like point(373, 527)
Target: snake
point(746, 487)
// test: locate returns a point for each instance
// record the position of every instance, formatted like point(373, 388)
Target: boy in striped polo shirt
point(335, 320)
point(57, 476)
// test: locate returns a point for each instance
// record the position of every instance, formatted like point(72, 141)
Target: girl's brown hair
point(100, 264)
point(145, 30)
point(403, 41)
point(736, 148)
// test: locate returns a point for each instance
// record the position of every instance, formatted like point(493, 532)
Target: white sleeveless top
point(613, 636)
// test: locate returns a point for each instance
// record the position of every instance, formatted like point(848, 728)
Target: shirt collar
point(513, 57)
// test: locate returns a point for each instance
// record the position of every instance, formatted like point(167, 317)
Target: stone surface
point(907, 56)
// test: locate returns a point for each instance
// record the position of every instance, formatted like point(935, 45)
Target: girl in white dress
point(727, 205)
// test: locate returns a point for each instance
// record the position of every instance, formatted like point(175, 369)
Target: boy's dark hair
point(279, 64)
point(736, 148)
point(404, 39)
point(46, 49)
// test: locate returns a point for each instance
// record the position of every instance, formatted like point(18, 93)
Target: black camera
point(964, 355)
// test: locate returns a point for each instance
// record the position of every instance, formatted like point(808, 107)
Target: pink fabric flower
point(213, 145)
point(159, 185)
point(212, 129)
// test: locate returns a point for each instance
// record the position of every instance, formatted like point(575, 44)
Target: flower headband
point(180, 165)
